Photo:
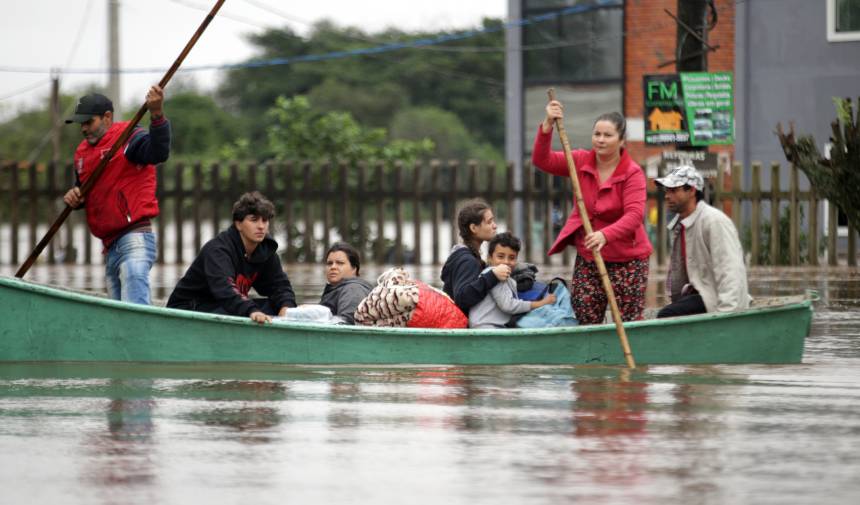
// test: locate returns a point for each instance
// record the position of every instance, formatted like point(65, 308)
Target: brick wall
point(650, 40)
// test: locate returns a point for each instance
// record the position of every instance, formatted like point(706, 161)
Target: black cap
point(89, 106)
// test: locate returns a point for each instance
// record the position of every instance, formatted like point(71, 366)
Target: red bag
point(436, 310)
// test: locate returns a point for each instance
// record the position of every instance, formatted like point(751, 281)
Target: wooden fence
point(397, 214)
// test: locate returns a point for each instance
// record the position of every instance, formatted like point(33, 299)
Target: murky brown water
point(502, 435)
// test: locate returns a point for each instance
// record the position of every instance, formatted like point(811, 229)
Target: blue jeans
point(127, 264)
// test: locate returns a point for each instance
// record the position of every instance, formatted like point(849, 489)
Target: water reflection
point(247, 407)
point(343, 413)
point(122, 456)
point(606, 407)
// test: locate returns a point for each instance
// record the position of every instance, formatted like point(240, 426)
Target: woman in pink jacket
point(613, 188)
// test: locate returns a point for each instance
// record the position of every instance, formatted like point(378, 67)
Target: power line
point(278, 12)
point(222, 14)
point(376, 50)
point(81, 31)
point(29, 87)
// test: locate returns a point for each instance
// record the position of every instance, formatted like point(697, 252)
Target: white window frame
point(832, 34)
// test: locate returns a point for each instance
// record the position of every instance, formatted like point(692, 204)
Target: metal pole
point(514, 139)
point(113, 90)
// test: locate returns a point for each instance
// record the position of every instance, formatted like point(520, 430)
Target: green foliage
point(784, 224)
point(26, 137)
point(373, 105)
point(837, 178)
point(296, 131)
point(469, 84)
point(199, 126)
point(353, 99)
point(445, 129)
point(843, 109)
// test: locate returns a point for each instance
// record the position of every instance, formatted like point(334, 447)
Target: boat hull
point(41, 323)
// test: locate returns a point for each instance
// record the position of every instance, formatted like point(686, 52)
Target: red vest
point(123, 196)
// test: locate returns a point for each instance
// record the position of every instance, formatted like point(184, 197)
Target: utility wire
point(278, 12)
point(222, 14)
point(379, 49)
point(25, 89)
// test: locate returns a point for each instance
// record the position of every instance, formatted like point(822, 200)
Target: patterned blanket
point(400, 301)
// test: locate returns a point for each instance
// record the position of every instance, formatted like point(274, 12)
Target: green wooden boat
point(47, 324)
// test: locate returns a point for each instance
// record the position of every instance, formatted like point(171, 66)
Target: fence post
point(287, 168)
point(490, 168)
point(398, 213)
point(718, 189)
point(832, 224)
point(774, 213)
point(51, 194)
point(794, 217)
point(852, 245)
point(454, 168)
point(755, 219)
point(813, 227)
point(528, 244)
point(343, 219)
point(509, 193)
point(13, 212)
point(436, 208)
point(737, 181)
point(215, 199)
point(361, 196)
point(567, 204)
point(416, 211)
point(473, 178)
point(177, 211)
point(548, 206)
point(661, 220)
point(162, 224)
point(307, 243)
point(271, 188)
point(379, 250)
point(70, 253)
point(198, 183)
point(251, 177)
point(234, 180)
point(325, 168)
point(33, 198)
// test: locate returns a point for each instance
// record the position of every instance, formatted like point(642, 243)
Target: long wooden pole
point(586, 223)
point(91, 180)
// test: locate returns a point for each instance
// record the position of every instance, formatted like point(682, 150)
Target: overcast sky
point(39, 35)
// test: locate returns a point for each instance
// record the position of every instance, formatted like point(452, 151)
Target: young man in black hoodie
point(228, 266)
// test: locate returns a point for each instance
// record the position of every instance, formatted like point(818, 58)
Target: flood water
point(263, 434)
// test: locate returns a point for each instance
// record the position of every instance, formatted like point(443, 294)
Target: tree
point(372, 105)
point(26, 137)
point(296, 131)
point(200, 127)
point(837, 178)
point(465, 77)
point(450, 136)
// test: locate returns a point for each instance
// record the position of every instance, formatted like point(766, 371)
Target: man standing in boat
point(122, 203)
point(706, 268)
point(228, 266)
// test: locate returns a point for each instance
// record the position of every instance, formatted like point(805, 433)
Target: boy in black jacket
point(228, 266)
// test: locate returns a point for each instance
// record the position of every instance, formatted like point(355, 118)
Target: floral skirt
point(629, 280)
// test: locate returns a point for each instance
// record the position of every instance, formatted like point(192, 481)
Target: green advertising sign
point(690, 108)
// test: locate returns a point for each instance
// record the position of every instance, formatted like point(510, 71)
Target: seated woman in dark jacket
point(345, 290)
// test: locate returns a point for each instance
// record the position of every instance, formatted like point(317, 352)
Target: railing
point(398, 214)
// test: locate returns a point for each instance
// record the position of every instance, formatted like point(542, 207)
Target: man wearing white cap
point(706, 268)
